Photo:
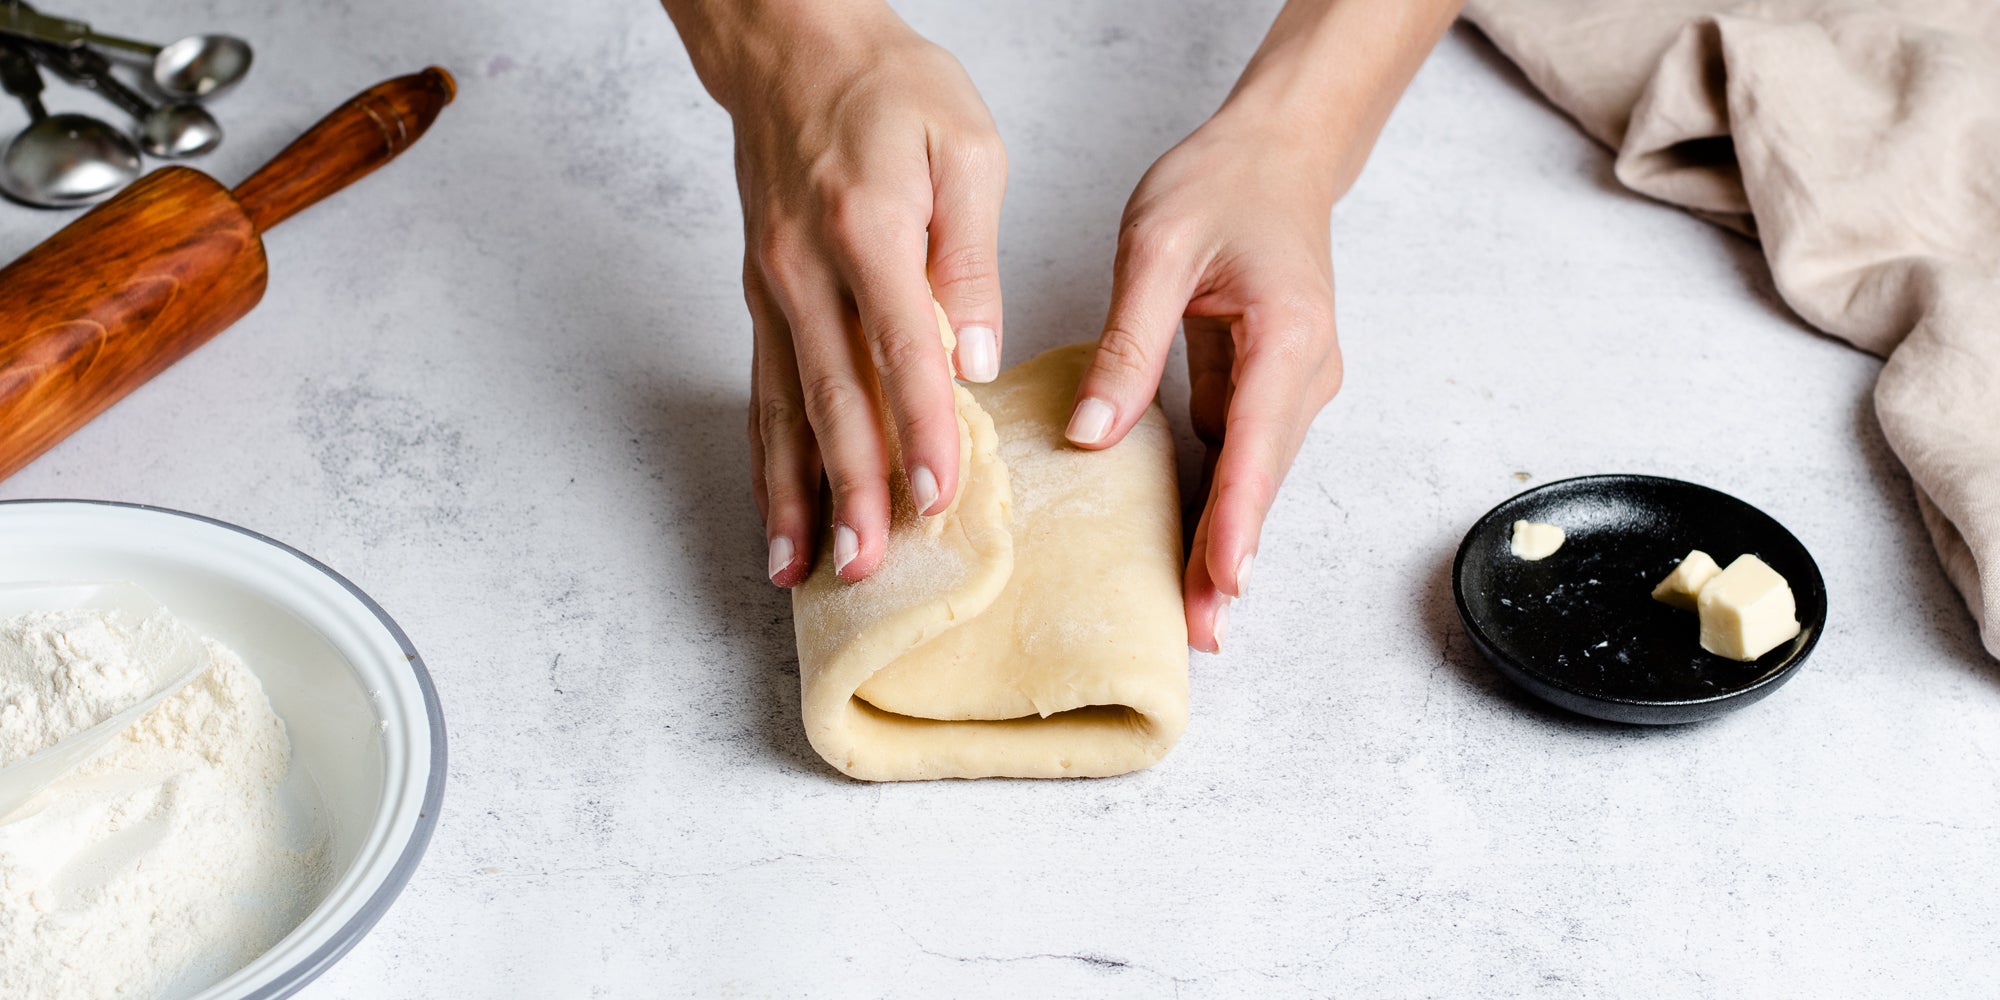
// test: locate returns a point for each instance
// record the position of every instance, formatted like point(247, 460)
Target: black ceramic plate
point(1580, 629)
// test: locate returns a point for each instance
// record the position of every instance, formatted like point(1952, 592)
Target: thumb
point(1150, 287)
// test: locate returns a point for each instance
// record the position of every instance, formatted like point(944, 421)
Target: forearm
point(1329, 72)
point(734, 43)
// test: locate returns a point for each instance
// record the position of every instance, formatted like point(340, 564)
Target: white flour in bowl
point(62, 672)
point(167, 862)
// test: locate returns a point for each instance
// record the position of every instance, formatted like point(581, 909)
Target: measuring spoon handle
point(147, 49)
point(24, 21)
point(88, 67)
point(21, 79)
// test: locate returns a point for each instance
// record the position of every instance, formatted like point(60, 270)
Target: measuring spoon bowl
point(66, 160)
point(178, 131)
point(200, 66)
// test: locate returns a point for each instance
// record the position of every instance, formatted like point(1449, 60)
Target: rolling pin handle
point(359, 136)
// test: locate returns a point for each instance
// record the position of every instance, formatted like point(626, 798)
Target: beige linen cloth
point(1860, 143)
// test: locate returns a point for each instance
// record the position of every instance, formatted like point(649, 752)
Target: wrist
point(1329, 72)
point(743, 49)
point(1312, 143)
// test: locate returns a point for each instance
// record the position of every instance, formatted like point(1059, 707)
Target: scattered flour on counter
point(167, 862)
point(62, 672)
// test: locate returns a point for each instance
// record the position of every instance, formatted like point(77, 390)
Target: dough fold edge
point(1132, 722)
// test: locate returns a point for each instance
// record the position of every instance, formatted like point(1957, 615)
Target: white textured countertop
point(501, 386)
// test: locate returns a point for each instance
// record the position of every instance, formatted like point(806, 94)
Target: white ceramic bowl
point(358, 703)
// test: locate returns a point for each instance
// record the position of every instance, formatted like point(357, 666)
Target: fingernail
point(1090, 422)
point(923, 487)
point(846, 545)
point(1220, 626)
point(781, 556)
point(978, 354)
point(1243, 572)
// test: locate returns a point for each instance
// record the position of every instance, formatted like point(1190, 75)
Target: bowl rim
point(342, 940)
point(1748, 694)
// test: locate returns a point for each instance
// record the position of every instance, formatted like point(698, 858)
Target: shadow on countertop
point(1952, 633)
point(1451, 645)
point(685, 431)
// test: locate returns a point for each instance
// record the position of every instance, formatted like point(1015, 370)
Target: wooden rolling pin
point(134, 285)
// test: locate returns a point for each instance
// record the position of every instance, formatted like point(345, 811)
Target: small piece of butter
point(1746, 610)
point(1683, 584)
point(1534, 541)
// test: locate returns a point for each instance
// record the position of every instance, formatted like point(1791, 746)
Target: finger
point(784, 460)
point(970, 180)
point(837, 386)
point(1207, 607)
point(1286, 368)
point(757, 446)
point(893, 301)
point(1151, 283)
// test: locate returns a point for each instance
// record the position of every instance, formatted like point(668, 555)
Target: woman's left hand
point(1227, 236)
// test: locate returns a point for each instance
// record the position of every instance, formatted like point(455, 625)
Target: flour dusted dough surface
point(1033, 630)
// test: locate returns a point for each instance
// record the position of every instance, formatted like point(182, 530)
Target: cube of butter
point(1533, 541)
point(1746, 610)
point(1681, 585)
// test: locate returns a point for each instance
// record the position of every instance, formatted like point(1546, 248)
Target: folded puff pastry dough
point(1032, 630)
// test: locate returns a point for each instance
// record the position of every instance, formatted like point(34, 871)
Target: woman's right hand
point(871, 177)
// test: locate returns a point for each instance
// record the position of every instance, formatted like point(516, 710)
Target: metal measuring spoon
point(59, 160)
point(194, 67)
point(169, 131)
